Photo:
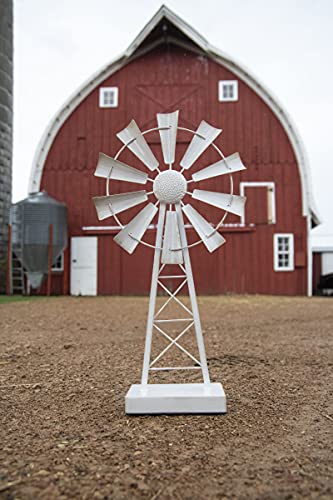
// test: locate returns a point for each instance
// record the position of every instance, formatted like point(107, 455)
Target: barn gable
point(167, 27)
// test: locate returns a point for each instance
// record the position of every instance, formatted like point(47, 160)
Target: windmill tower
point(169, 186)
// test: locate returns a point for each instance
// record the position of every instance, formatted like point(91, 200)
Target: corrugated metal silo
point(31, 219)
point(6, 121)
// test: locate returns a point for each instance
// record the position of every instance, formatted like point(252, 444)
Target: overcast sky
point(287, 45)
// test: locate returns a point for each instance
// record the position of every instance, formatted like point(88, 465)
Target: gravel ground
point(65, 367)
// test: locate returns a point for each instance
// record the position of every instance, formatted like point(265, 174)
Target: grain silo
point(6, 123)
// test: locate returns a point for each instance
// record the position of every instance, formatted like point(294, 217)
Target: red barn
point(170, 66)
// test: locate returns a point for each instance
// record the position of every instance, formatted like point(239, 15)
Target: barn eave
point(143, 43)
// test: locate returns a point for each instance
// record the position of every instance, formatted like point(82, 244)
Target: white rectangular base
point(175, 398)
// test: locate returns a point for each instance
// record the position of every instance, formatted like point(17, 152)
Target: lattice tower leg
point(193, 297)
point(153, 293)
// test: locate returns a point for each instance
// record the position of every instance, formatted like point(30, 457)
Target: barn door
point(84, 265)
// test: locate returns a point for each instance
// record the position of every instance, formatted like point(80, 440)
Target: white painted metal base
point(148, 399)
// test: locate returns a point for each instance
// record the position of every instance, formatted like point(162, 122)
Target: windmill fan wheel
point(169, 184)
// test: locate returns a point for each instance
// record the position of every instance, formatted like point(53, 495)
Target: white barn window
point(283, 252)
point(59, 263)
point(108, 97)
point(228, 90)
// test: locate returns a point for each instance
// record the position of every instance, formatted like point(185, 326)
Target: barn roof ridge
point(308, 204)
point(165, 13)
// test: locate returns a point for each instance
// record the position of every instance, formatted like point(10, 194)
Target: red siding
point(316, 270)
point(163, 80)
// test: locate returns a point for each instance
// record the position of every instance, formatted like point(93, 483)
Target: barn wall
point(316, 266)
point(166, 79)
point(56, 285)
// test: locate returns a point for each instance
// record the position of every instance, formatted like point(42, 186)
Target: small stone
point(98, 495)
point(42, 472)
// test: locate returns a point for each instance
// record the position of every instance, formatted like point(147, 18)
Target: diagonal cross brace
point(172, 296)
point(174, 342)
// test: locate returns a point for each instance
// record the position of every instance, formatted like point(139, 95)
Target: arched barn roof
point(180, 33)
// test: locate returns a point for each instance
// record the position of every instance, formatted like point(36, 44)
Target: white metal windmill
point(171, 247)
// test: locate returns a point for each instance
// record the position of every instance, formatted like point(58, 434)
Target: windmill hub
point(170, 186)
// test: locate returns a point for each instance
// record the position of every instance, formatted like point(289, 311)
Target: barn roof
point(166, 26)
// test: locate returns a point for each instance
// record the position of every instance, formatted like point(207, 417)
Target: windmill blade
point(109, 168)
point(133, 138)
point(211, 238)
point(231, 203)
point(169, 121)
point(206, 135)
point(229, 165)
point(129, 237)
point(171, 241)
point(116, 203)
